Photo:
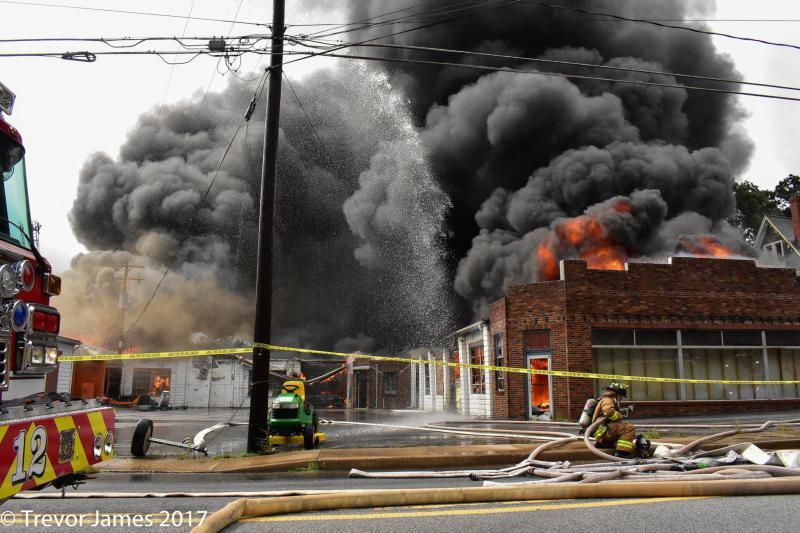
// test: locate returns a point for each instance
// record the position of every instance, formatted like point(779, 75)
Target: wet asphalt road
point(776, 514)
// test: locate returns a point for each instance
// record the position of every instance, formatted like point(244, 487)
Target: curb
point(423, 457)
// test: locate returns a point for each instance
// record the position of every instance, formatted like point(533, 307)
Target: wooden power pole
point(259, 391)
point(123, 300)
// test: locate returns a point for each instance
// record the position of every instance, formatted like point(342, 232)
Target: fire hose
point(451, 496)
point(657, 477)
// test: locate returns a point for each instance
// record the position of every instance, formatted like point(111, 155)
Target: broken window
point(477, 373)
point(151, 381)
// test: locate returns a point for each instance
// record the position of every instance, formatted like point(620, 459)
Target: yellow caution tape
point(553, 373)
point(154, 355)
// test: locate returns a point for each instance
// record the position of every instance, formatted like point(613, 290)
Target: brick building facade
point(694, 318)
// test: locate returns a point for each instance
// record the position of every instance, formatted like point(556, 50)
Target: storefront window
point(717, 355)
point(719, 364)
point(784, 365)
point(662, 363)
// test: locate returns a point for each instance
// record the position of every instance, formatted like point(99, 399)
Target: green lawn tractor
point(292, 420)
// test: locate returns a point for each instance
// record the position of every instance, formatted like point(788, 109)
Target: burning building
point(692, 318)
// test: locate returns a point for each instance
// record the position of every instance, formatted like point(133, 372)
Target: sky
point(67, 110)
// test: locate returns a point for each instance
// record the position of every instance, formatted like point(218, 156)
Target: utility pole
point(123, 300)
point(259, 392)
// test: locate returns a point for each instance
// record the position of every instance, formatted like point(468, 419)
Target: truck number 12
point(38, 446)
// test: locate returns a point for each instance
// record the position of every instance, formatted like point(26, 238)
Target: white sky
point(67, 110)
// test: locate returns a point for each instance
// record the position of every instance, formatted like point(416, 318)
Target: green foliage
point(752, 203)
point(785, 190)
point(652, 434)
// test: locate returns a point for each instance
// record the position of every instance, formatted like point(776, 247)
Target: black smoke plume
point(431, 178)
point(358, 260)
point(517, 152)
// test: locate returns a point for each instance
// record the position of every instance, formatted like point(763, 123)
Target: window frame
point(477, 374)
point(499, 360)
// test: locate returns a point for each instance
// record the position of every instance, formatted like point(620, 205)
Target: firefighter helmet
point(619, 388)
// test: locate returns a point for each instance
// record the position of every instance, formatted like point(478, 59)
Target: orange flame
point(705, 246)
point(587, 237)
point(159, 384)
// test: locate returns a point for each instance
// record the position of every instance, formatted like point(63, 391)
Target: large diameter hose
point(460, 495)
point(694, 444)
point(592, 448)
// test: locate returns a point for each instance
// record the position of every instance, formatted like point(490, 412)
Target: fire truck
point(45, 438)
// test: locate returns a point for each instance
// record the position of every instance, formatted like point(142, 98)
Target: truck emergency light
point(26, 275)
point(19, 316)
point(8, 282)
point(6, 99)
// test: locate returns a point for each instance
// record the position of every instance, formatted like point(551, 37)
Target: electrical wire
point(362, 21)
point(662, 25)
point(578, 64)
point(445, 10)
point(216, 68)
point(568, 76)
point(127, 12)
point(246, 119)
point(256, 37)
point(172, 65)
point(416, 28)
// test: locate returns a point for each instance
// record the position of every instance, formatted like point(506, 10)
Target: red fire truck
point(44, 438)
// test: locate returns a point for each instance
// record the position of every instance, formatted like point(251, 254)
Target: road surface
point(776, 514)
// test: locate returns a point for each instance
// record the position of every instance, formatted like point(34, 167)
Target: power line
point(577, 64)
point(90, 57)
point(362, 21)
point(495, 5)
point(662, 25)
point(568, 76)
point(172, 65)
point(136, 40)
point(444, 10)
point(127, 12)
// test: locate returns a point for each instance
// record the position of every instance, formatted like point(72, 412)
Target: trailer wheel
point(308, 437)
point(140, 442)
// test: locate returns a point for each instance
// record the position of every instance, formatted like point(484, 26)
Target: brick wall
point(689, 293)
point(401, 400)
point(710, 407)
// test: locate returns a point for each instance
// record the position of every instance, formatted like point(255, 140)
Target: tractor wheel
point(140, 442)
point(315, 422)
point(308, 437)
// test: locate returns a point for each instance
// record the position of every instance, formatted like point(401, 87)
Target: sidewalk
point(408, 458)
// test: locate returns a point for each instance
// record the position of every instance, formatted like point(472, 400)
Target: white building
point(193, 382)
point(439, 387)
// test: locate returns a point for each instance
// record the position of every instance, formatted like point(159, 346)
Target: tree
point(752, 203)
point(785, 190)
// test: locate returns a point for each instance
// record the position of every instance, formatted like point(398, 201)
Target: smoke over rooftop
point(434, 181)
point(520, 155)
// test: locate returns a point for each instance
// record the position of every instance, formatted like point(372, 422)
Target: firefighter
point(614, 432)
